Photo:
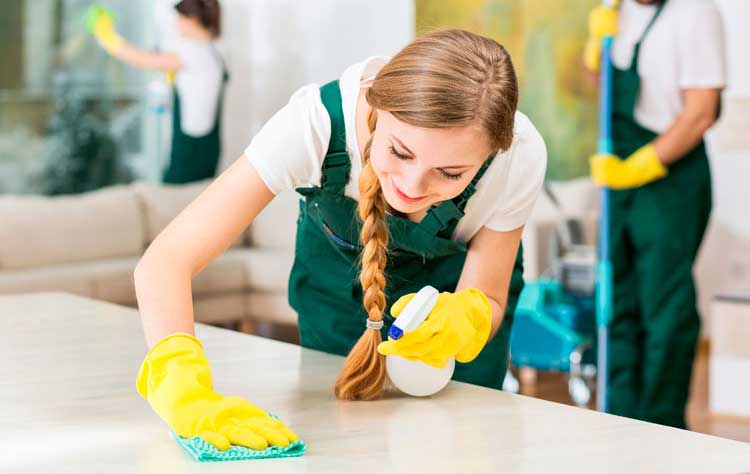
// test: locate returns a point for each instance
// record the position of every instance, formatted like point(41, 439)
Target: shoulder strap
point(337, 163)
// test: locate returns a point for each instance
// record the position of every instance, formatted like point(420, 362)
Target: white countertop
point(68, 404)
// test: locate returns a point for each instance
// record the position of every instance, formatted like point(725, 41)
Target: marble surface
point(68, 404)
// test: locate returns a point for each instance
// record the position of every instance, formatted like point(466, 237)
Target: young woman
point(415, 170)
point(669, 70)
point(200, 76)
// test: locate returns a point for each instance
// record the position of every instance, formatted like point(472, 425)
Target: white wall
point(729, 141)
point(277, 46)
point(724, 263)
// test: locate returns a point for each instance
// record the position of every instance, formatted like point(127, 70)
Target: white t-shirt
point(288, 152)
point(198, 84)
point(684, 49)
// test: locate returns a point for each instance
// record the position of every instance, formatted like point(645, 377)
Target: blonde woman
point(415, 170)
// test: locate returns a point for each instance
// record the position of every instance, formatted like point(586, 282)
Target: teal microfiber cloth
point(202, 451)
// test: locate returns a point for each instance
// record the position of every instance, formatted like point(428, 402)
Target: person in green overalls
point(669, 71)
point(413, 170)
point(199, 76)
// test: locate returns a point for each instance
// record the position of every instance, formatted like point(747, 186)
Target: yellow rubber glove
point(458, 326)
point(100, 23)
point(642, 167)
point(175, 378)
point(602, 22)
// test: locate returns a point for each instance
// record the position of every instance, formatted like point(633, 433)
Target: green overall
point(194, 158)
point(324, 285)
point(655, 234)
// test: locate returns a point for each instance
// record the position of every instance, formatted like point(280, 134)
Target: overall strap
point(442, 219)
point(637, 47)
point(337, 163)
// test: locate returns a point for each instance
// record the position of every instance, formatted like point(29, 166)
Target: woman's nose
point(416, 183)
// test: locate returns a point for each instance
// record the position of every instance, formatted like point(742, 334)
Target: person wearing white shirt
point(199, 75)
point(668, 72)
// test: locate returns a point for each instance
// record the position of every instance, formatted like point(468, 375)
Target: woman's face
point(418, 167)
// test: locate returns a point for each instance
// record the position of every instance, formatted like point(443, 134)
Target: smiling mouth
point(405, 197)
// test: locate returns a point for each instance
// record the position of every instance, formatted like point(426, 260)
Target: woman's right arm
point(142, 59)
point(197, 236)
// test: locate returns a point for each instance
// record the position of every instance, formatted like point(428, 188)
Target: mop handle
point(604, 267)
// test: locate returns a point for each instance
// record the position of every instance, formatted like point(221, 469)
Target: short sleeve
point(288, 151)
point(702, 58)
point(190, 54)
point(525, 179)
point(200, 72)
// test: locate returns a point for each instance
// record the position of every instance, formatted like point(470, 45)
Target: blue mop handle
point(604, 267)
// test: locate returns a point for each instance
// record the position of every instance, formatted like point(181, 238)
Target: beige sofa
point(89, 245)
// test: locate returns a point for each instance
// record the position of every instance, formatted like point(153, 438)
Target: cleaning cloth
point(202, 451)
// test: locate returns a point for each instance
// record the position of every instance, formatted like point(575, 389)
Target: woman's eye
point(451, 176)
point(444, 174)
point(397, 154)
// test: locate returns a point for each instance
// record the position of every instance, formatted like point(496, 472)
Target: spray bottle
point(413, 377)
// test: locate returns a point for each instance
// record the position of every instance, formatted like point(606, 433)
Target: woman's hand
point(458, 326)
point(639, 169)
point(175, 378)
point(101, 23)
point(602, 22)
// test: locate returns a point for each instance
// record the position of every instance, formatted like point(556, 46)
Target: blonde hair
point(447, 78)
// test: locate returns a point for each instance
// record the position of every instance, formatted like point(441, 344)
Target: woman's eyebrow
point(401, 144)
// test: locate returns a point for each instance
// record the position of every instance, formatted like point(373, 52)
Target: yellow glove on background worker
point(175, 378)
point(100, 23)
point(642, 167)
point(458, 326)
point(602, 22)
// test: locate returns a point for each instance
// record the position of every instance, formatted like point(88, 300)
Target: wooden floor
point(553, 387)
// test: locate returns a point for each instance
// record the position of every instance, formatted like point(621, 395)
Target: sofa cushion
point(220, 307)
point(111, 280)
point(42, 230)
point(162, 203)
point(106, 280)
point(275, 227)
point(267, 269)
point(246, 268)
point(227, 273)
point(271, 307)
point(46, 279)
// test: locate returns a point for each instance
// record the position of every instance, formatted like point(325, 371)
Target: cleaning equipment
point(554, 330)
point(604, 288)
point(175, 378)
point(203, 451)
point(458, 326)
point(411, 376)
point(158, 102)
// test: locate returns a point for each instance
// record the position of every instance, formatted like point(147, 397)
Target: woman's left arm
point(489, 266)
point(147, 59)
point(698, 115)
point(101, 24)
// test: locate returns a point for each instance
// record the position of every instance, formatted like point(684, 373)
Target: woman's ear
point(366, 83)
